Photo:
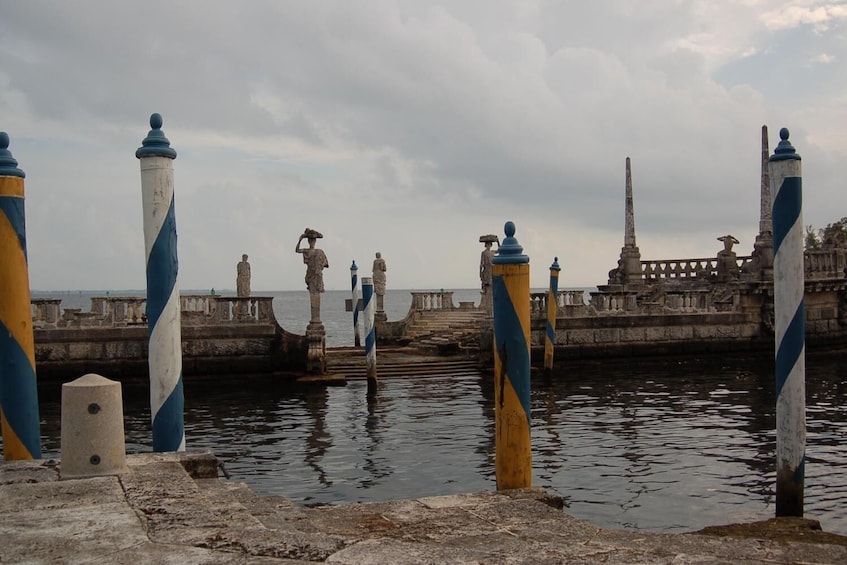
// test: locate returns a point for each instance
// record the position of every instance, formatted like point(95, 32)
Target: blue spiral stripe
point(790, 348)
point(168, 426)
point(19, 393)
point(787, 206)
point(162, 268)
point(370, 338)
point(509, 341)
point(355, 281)
point(13, 208)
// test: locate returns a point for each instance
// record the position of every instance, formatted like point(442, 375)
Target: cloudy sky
point(412, 128)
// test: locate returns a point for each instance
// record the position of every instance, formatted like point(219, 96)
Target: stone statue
point(379, 280)
point(316, 262)
point(485, 269)
point(242, 280)
point(727, 261)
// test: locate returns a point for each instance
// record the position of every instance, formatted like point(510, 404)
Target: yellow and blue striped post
point(354, 284)
point(552, 312)
point(510, 286)
point(368, 310)
point(19, 420)
point(163, 308)
point(789, 326)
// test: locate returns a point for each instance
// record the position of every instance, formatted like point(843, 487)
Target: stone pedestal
point(316, 354)
point(92, 428)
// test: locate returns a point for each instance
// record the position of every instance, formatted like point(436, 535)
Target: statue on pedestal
point(727, 260)
point(316, 262)
point(242, 280)
point(485, 270)
point(379, 270)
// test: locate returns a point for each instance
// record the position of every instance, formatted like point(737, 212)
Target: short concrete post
point(354, 285)
point(163, 307)
point(789, 326)
point(18, 388)
point(510, 286)
point(92, 428)
point(368, 308)
point(552, 312)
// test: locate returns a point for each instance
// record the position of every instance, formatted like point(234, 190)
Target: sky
point(411, 128)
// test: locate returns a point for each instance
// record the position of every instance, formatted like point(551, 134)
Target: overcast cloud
point(412, 128)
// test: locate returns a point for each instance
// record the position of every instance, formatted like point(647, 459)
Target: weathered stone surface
point(157, 513)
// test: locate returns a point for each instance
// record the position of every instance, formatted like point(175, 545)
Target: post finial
point(784, 150)
point(510, 251)
point(156, 144)
point(555, 265)
point(8, 164)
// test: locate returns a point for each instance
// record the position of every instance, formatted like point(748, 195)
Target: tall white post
point(163, 308)
point(789, 325)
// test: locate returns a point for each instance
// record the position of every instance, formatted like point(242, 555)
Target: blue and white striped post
point(368, 309)
point(510, 286)
point(163, 308)
point(552, 312)
point(354, 285)
point(19, 420)
point(789, 325)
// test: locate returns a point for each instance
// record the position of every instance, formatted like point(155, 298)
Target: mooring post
point(354, 284)
point(92, 428)
point(552, 312)
point(368, 309)
point(163, 309)
point(18, 388)
point(789, 326)
point(510, 286)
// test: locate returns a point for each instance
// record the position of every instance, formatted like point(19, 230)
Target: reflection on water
point(664, 446)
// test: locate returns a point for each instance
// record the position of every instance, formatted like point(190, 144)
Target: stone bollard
point(92, 428)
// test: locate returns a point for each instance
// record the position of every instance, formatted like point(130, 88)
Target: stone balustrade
point(688, 301)
point(614, 303)
point(686, 268)
point(825, 264)
point(120, 311)
point(568, 302)
point(45, 312)
point(433, 300)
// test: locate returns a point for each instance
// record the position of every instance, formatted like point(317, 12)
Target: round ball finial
point(8, 164)
point(784, 151)
point(156, 144)
point(510, 251)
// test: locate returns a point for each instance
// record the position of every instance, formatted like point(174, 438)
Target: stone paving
point(172, 508)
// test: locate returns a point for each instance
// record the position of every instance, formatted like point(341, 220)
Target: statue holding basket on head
point(316, 261)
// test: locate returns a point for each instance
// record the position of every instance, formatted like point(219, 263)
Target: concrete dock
point(173, 508)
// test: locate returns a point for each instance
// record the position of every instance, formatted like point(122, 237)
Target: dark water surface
point(666, 446)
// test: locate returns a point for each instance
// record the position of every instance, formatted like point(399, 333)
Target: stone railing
point(613, 303)
point(685, 268)
point(688, 301)
point(232, 309)
point(433, 300)
point(568, 302)
point(119, 311)
point(825, 264)
point(45, 312)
